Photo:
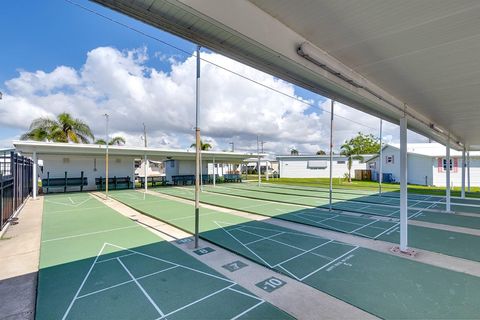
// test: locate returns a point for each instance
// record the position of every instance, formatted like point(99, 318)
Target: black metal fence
point(16, 184)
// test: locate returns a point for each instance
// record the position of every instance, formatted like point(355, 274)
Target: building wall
point(154, 168)
point(299, 168)
point(182, 167)
point(420, 169)
point(92, 167)
point(440, 176)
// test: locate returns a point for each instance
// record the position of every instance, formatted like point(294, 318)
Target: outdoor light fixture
point(436, 128)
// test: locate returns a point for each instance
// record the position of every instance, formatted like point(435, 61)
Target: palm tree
point(351, 153)
point(321, 153)
point(203, 146)
point(118, 141)
point(294, 152)
point(64, 128)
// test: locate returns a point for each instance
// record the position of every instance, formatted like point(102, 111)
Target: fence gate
point(16, 174)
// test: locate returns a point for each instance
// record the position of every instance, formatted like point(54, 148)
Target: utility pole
point(145, 135)
point(258, 163)
point(233, 146)
point(197, 149)
point(262, 143)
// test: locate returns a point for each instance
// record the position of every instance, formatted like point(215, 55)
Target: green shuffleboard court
point(451, 243)
point(385, 285)
point(98, 264)
point(421, 214)
point(387, 198)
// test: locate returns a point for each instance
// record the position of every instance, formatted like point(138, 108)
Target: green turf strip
point(89, 254)
point(387, 286)
point(262, 193)
point(442, 241)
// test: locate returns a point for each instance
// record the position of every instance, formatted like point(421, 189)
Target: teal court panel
point(98, 264)
point(388, 286)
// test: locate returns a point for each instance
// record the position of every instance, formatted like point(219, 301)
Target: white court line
point(195, 302)
point(69, 204)
point(142, 289)
point(301, 254)
point(115, 258)
point(274, 240)
point(248, 310)
point(268, 264)
point(173, 263)
point(90, 233)
point(74, 210)
point(321, 224)
point(261, 238)
point(324, 266)
point(71, 200)
point(275, 230)
point(82, 284)
point(365, 225)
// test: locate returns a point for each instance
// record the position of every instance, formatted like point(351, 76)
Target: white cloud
point(232, 108)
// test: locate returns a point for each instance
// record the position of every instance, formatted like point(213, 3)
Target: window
point(444, 161)
point(389, 159)
point(372, 165)
point(317, 164)
point(341, 162)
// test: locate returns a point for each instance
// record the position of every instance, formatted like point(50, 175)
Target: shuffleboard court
point(391, 211)
point(98, 264)
point(451, 243)
point(382, 284)
point(460, 204)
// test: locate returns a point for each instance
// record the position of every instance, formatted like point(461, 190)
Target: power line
point(210, 62)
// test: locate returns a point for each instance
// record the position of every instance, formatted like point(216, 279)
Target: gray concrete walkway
point(19, 256)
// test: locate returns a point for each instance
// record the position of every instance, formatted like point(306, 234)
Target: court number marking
point(203, 251)
point(271, 284)
point(235, 265)
point(184, 240)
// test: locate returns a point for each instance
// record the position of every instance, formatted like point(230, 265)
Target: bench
point(161, 180)
point(183, 179)
point(115, 183)
point(65, 182)
point(232, 178)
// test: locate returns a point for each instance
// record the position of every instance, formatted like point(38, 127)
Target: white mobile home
point(316, 166)
point(426, 164)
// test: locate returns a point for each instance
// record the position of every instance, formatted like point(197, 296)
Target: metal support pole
point(106, 155)
point(145, 173)
point(380, 161)
point(330, 194)
point(403, 186)
point(35, 181)
point(447, 178)
point(258, 163)
point(468, 170)
point(197, 149)
point(266, 170)
point(463, 172)
point(214, 173)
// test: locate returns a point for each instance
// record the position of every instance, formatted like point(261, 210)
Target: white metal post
point(380, 160)
point(447, 178)
point(258, 164)
point(133, 174)
point(145, 173)
point(463, 172)
point(197, 149)
point(330, 195)
point(214, 174)
point(35, 177)
point(266, 169)
point(468, 170)
point(403, 186)
point(106, 155)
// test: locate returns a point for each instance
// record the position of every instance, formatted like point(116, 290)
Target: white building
point(58, 158)
point(426, 164)
point(317, 166)
point(154, 168)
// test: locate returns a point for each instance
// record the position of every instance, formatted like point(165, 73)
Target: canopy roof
point(385, 57)
point(51, 148)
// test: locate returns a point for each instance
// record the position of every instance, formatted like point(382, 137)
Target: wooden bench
point(183, 179)
point(65, 182)
point(115, 183)
point(232, 178)
point(161, 180)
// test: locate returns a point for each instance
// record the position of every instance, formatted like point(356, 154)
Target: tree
point(321, 153)
point(294, 152)
point(358, 145)
point(118, 141)
point(64, 128)
point(203, 146)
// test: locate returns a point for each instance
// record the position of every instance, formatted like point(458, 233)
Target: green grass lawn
point(371, 186)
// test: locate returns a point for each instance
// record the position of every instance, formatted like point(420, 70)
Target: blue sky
point(42, 35)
